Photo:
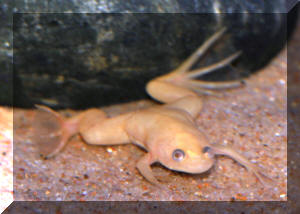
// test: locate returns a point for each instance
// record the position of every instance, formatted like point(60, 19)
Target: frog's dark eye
point(178, 155)
point(206, 149)
point(208, 152)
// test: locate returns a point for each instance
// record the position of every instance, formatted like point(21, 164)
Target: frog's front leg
point(179, 89)
point(222, 150)
point(52, 131)
point(143, 166)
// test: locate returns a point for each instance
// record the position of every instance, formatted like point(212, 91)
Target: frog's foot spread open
point(222, 150)
point(51, 131)
point(184, 77)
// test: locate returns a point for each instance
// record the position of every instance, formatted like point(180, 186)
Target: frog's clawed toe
point(205, 87)
point(49, 133)
point(265, 180)
point(185, 77)
point(211, 68)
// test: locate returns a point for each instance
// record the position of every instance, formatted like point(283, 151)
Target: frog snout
point(201, 164)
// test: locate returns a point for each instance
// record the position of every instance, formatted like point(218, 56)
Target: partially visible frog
point(168, 132)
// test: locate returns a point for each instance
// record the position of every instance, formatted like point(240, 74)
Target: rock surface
point(82, 60)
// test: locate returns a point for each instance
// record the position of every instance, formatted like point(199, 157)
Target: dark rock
point(6, 55)
point(81, 60)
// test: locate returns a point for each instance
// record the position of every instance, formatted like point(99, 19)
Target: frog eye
point(208, 152)
point(206, 149)
point(178, 155)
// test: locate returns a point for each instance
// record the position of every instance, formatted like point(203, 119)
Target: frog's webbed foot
point(184, 77)
point(143, 166)
point(222, 150)
point(50, 131)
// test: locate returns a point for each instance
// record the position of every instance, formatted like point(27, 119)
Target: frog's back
point(156, 121)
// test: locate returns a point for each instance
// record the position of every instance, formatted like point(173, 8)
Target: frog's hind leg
point(185, 78)
point(188, 79)
point(188, 63)
point(201, 71)
point(51, 131)
point(180, 89)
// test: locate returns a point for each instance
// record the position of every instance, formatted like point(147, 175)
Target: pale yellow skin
point(162, 129)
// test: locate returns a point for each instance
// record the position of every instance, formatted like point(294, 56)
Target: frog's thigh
point(167, 92)
point(107, 131)
point(190, 104)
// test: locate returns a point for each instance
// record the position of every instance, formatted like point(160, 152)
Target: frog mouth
point(200, 166)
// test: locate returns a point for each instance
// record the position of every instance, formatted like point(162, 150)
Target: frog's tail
point(51, 131)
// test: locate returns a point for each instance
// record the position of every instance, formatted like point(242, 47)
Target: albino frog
point(167, 132)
